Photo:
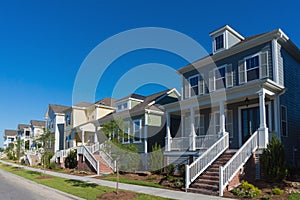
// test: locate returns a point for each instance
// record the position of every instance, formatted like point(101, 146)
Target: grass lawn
point(134, 182)
point(294, 196)
point(74, 187)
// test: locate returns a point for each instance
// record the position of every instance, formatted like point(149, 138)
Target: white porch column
point(222, 118)
point(192, 133)
point(95, 135)
point(263, 137)
point(168, 132)
point(82, 136)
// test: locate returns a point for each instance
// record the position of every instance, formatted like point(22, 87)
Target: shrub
point(277, 191)
point(246, 190)
point(46, 159)
point(273, 161)
point(156, 159)
point(266, 198)
point(52, 165)
point(71, 160)
point(22, 161)
point(170, 169)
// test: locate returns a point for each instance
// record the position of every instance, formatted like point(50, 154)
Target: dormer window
point(219, 42)
point(122, 106)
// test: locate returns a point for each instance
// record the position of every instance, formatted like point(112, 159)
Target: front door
point(250, 122)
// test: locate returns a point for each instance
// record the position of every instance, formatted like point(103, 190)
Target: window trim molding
point(225, 42)
point(190, 87)
point(134, 131)
point(215, 79)
point(128, 132)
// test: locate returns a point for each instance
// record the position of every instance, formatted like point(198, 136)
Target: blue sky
point(43, 43)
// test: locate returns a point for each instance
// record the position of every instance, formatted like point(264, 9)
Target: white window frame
point(215, 77)
point(137, 131)
point(190, 86)
point(126, 129)
point(121, 106)
point(259, 67)
point(199, 124)
point(224, 42)
point(286, 121)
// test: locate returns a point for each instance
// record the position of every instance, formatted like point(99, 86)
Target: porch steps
point(208, 182)
point(104, 167)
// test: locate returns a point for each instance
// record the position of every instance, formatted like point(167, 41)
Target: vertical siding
point(290, 99)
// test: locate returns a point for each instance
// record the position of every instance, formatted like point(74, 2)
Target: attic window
point(219, 42)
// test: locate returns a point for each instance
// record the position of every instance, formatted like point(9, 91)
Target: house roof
point(150, 102)
point(22, 126)
point(134, 96)
point(38, 123)
point(243, 45)
point(58, 108)
point(10, 133)
point(111, 102)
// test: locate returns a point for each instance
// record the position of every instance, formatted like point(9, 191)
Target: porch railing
point(205, 160)
point(181, 143)
point(229, 170)
point(202, 142)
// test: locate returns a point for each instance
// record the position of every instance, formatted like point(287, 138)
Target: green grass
point(294, 196)
point(74, 187)
point(133, 182)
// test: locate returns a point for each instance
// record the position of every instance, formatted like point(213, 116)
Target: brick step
point(203, 191)
point(212, 173)
point(205, 186)
point(208, 181)
point(205, 176)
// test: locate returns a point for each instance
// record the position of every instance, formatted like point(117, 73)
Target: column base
point(263, 137)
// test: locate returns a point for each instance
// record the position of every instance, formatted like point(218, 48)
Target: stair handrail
point(90, 157)
point(229, 170)
point(29, 159)
point(195, 169)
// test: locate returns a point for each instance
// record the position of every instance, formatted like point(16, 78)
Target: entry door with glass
point(250, 122)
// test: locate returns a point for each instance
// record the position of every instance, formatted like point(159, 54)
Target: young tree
point(19, 146)
point(46, 140)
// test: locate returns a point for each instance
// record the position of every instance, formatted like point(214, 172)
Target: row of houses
point(232, 102)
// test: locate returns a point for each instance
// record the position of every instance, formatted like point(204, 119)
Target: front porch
point(195, 124)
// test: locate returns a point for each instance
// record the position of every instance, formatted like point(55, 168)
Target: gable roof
point(10, 133)
point(134, 96)
point(38, 123)
point(22, 126)
point(58, 108)
point(150, 102)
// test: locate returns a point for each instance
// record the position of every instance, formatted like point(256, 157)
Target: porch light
point(247, 101)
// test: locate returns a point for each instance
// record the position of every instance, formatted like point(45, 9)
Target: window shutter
point(242, 72)
point(264, 69)
point(229, 76)
point(212, 81)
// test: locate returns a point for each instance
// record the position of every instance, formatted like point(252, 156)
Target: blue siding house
point(233, 101)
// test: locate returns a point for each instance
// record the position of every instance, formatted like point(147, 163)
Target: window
point(68, 119)
point(194, 81)
point(126, 136)
point(137, 130)
point(284, 129)
point(253, 67)
point(215, 122)
point(221, 77)
point(199, 125)
point(219, 42)
point(122, 106)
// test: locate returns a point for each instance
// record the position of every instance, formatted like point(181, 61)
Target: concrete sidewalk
point(134, 188)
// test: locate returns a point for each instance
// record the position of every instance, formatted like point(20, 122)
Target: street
point(13, 187)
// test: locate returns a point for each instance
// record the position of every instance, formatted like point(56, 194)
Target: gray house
point(232, 102)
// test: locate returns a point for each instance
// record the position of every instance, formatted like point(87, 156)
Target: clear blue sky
point(43, 43)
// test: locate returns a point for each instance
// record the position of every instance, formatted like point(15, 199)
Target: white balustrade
point(205, 160)
point(229, 170)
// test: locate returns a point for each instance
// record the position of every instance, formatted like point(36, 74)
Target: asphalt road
point(13, 187)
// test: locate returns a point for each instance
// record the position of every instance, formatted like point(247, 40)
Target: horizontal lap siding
point(290, 99)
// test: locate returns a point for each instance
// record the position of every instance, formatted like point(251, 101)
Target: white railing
point(205, 141)
point(181, 143)
point(89, 156)
point(95, 147)
point(29, 159)
point(202, 142)
point(205, 160)
point(229, 170)
point(108, 159)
